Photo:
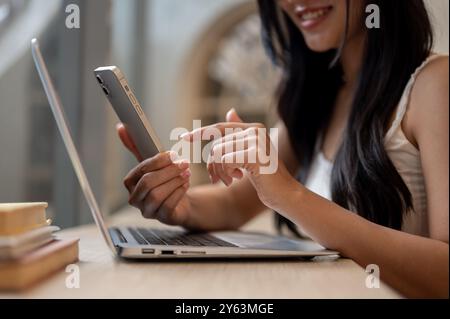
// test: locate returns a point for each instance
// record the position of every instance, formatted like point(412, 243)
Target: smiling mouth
point(310, 17)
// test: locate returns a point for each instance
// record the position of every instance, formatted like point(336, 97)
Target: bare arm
point(159, 188)
point(416, 266)
point(219, 207)
point(216, 207)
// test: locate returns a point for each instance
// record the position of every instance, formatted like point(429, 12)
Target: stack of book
point(29, 250)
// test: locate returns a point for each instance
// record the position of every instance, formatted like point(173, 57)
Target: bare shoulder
point(430, 87)
point(429, 105)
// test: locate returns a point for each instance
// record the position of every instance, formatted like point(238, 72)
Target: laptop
point(148, 243)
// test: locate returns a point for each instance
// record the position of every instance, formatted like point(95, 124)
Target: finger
point(232, 116)
point(253, 136)
point(232, 161)
point(151, 164)
point(227, 174)
point(230, 164)
point(210, 167)
point(153, 179)
point(158, 195)
point(218, 129)
point(213, 159)
point(236, 173)
point(128, 141)
point(251, 132)
point(168, 206)
point(220, 173)
point(233, 147)
point(216, 155)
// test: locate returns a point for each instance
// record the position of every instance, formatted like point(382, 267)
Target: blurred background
point(185, 59)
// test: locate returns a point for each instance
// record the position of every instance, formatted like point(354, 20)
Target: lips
point(311, 17)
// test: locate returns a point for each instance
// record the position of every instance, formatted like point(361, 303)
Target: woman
point(364, 127)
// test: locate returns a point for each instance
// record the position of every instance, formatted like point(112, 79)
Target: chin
point(321, 41)
point(320, 46)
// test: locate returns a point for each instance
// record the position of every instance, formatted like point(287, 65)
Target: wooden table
point(104, 276)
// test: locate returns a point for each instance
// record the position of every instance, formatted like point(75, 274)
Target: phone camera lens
point(105, 90)
point(99, 79)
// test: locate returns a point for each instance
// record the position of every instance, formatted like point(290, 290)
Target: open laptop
point(140, 242)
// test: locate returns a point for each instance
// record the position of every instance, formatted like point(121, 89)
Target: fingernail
point(237, 176)
point(174, 156)
point(185, 136)
point(183, 164)
point(187, 173)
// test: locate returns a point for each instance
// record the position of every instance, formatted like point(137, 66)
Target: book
point(16, 218)
point(37, 265)
point(14, 246)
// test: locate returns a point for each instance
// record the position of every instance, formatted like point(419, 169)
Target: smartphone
point(116, 88)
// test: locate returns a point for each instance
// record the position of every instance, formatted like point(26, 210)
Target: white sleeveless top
point(404, 156)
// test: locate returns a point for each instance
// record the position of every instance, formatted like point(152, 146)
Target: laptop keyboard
point(172, 237)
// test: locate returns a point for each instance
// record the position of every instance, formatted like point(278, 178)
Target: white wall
point(13, 130)
point(439, 15)
point(15, 66)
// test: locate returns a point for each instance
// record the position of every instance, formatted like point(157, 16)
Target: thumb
point(232, 116)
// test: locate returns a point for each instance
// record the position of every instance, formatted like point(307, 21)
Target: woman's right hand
point(158, 185)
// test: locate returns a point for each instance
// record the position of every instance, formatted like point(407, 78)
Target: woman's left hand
point(247, 147)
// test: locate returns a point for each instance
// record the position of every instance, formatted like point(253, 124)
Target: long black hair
point(363, 178)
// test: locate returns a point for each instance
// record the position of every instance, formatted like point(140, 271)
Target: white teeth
point(311, 15)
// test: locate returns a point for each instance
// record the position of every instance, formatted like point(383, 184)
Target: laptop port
point(148, 251)
point(167, 252)
point(193, 252)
